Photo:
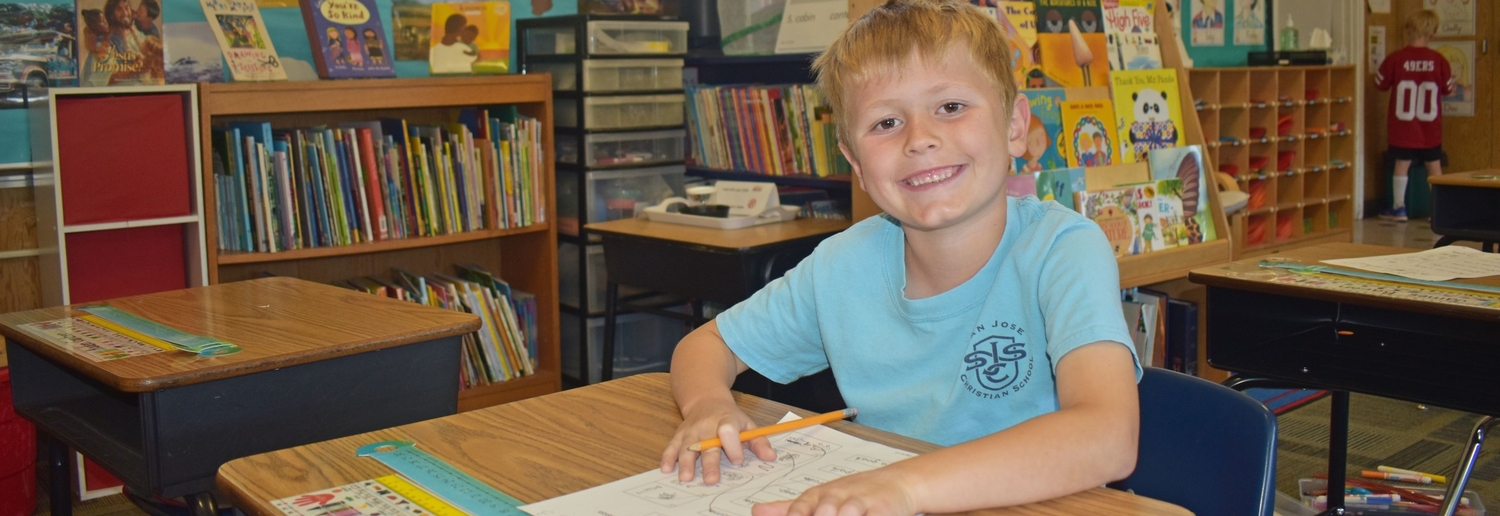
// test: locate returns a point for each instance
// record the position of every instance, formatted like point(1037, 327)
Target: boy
point(959, 317)
point(1414, 117)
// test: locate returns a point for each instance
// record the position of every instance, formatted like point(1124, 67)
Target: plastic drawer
point(622, 149)
point(624, 112)
point(542, 41)
point(637, 37)
point(612, 75)
point(644, 344)
point(567, 274)
point(614, 194)
point(564, 75)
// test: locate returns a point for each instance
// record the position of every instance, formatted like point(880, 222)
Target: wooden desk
point(318, 362)
point(722, 266)
point(1437, 354)
point(549, 446)
point(1464, 207)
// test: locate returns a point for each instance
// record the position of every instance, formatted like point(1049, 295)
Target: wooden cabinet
point(1286, 135)
point(526, 256)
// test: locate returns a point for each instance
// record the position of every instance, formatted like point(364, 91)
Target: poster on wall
point(1455, 17)
point(1377, 47)
point(1460, 56)
point(1250, 22)
point(1207, 23)
point(36, 49)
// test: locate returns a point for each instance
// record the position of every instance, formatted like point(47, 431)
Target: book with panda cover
point(1148, 111)
point(1088, 136)
point(1073, 50)
point(1042, 149)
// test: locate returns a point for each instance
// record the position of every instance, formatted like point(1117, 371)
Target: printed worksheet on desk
point(804, 458)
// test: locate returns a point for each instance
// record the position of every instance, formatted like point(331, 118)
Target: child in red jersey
point(1417, 77)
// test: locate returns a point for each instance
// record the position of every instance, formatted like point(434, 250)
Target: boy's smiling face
point(933, 145)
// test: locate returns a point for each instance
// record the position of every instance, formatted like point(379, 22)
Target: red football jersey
point(1418, 78)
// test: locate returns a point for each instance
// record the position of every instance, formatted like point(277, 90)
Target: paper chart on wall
point(804, 459)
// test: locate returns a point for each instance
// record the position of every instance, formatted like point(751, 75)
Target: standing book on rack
point(1086, 133)
point(242, 37)
point(1059, 185)
point(1158, 216)
point(1042, 136)
point(1018, 20)
point(116, 48)
point(470, 37)
point(1148, 111)
point(347, 39)
point(1114, 211)
point(1073, 47)
point(1186, 165)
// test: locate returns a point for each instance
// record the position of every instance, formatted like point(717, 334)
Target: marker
point(777, 429)
point(1373, 499)
point(1435, 478)
point(1416, 479)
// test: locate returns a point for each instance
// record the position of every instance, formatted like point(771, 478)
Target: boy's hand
point(873, 493)
point(724, 421)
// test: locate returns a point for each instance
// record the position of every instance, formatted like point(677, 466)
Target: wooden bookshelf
point(1153, 267)
point(525, 257)
point(1307, 199)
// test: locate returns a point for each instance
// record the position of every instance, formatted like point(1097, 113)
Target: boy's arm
point(703, 370)
point(1089, 441)
point(1385, 76)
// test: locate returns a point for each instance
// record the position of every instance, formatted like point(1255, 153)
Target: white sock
point(1399, 183)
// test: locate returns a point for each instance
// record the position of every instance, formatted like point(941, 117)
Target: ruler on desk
point(439, 482)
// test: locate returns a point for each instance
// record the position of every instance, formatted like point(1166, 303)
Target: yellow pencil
point(779, 428)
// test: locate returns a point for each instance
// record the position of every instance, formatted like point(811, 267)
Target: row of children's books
point(504, 347)
point(1075, 43)
point(284, 189)
point(774, 130)
point(1091, 127)
point(1163, 330)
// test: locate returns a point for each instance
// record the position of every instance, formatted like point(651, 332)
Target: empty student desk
point(545, 447)
point(1464, 207)
point(1327, 332)
point(318, 362)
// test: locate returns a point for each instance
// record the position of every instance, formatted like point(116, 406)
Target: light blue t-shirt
point(949, 368)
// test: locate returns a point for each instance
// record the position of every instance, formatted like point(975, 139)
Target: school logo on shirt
point(997, 365)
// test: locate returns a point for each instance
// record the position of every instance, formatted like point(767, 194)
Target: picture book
point(192, 53)
point(1018, 21)
point(1053, 16)
point(411, 24)
point(1059, 185)
point(1129, 16)
point(469, 37)
point(1020, 185)
point(1087, 138)
point(1073, 59)
point(1114, 211)
point(38, 41)
point(347, 38)
point(119, 44)
point(1186, 165)
point(1139, 51)
point(242, 37)
point(1149, 112)
point(1042, 135)
point(1112, 50)
point(1158, 216)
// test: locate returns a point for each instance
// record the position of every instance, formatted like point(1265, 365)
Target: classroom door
point(1469, 140)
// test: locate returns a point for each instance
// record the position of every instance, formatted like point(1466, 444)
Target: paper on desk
point(1441, 264)
point(804, 458)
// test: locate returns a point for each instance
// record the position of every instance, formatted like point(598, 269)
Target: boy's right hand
point(725, 421)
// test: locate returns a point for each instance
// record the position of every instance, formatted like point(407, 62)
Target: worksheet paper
point(804, 458)
point(1441, 264)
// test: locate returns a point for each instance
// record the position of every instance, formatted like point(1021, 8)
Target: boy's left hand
point(875, 493)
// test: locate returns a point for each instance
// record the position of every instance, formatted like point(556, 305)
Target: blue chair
point(1203, 446)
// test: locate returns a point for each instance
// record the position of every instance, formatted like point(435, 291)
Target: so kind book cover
point(347, 39)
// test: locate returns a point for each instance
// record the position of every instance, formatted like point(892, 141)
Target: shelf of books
point(437, 191)
point(1109, 136)
point(1286, 137)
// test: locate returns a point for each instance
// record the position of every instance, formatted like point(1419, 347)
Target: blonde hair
point(1424, 24)
point(881, 41)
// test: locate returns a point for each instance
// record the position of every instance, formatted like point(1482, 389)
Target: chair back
point(1203, 446)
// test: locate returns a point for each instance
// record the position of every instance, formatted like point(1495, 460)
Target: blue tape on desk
point(442, 479)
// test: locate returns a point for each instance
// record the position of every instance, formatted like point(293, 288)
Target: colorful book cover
point(1042, 135)
point(1020, 185)
point(1088, 138)
point(1114, 211)
point(1186, 165)
point(38, 43)
point(469, 37)
point(1059, 185)
point(1158, 216)
point(1070, 34)
point(347, 38)
point(1018, 20)
point(1139, 51)
point(1129, 16)
point(1149, 112)
point(192, 53)
point(1112, 49)
point(242, 37)
point(120, 44)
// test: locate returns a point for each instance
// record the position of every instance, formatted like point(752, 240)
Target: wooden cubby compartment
point(525, 257)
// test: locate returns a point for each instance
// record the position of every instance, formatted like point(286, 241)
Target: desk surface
point(1248, 275)
point(1468, 179)
point(545, 447)
point(278, 322)
point(738, 239)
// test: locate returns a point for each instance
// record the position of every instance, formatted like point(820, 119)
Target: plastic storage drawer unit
point(637, 37)
point(614, 75)
point(614, 194)
point(644, 344)
point(567, 274)
point(622, 149)
point(626, 112)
